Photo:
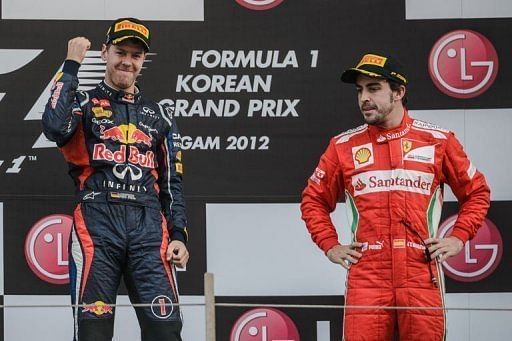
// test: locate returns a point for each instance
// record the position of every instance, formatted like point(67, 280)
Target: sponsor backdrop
point(255, 89)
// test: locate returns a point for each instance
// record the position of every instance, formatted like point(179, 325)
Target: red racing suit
point(392, 181)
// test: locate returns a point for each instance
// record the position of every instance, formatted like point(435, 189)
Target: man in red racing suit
point(391, 172)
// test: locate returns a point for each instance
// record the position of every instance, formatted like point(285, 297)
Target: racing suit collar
point(120, 95)
point(381, 135)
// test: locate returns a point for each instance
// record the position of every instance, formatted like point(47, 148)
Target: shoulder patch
point(433, 129)
point(166, 114)
point(346, 135)
point(429, 126)
point(83, 96)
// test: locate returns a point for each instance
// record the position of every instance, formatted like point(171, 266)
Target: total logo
point(259, 5)
point(46, 248)
point(480, 256)
point(463, 64)
point(264, 324)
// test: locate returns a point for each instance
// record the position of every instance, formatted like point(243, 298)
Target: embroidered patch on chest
point(363, 155)
point(418, 151)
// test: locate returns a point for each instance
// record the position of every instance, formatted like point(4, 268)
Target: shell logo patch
point(362, 155)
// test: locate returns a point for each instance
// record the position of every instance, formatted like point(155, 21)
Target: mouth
point(368, 109)
point(124, 71)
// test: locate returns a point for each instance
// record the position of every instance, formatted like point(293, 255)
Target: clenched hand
point(77, 47)
point(177, 253)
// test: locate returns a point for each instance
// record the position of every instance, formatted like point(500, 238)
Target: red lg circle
point(46, 248)
point(259, 5)
point(256, 323)
point(463, 64)
point(479, 257)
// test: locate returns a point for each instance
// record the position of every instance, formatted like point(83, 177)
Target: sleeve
point(470, 188)
point(170, 171)
point(319, 199)
point(62, 112)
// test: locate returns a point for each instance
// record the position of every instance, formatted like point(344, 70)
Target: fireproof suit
point(124, 156)
point(392, 181)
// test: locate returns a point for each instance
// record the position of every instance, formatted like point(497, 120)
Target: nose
point(364, 95)
point(126, 61)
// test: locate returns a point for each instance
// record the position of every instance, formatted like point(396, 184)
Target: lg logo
point(259, 5)
point(463, 64)
point(480, 256)
point(264, 325)
point(46, 248)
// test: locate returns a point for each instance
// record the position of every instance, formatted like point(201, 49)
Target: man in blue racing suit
point(124, 156)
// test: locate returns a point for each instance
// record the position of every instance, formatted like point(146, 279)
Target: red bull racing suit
point(124, 155)
point(392, 181)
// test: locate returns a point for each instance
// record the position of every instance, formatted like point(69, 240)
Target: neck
point(395, 117)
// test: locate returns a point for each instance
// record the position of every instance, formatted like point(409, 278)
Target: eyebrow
point(368, 85)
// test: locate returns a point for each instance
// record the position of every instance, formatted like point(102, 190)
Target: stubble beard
point(379, 118)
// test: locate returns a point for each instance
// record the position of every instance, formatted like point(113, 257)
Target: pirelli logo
point(128, 25)
point(372, 59)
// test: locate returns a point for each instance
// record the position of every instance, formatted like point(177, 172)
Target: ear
point(104, 51)
point(400, 93)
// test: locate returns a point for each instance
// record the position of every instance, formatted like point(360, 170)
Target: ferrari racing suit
point(392, 182)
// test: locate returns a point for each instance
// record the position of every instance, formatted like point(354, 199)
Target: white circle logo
point(46, 248)
point(463, 64)
point(162, 307)
point(259, 5)
point(480, 256)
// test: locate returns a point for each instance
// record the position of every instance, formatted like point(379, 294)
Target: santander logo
point(392, 180)
point(463, 64)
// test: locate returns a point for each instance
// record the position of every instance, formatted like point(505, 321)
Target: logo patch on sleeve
point(318, 175)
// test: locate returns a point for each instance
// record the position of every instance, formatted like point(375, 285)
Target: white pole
point(209, 309)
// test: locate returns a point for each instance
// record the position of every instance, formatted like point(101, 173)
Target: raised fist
point(77, 47)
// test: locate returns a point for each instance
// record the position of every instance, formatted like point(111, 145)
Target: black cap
point(126, 28)
point(375, 65)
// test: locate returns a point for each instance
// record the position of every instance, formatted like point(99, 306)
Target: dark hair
point(395, 86)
